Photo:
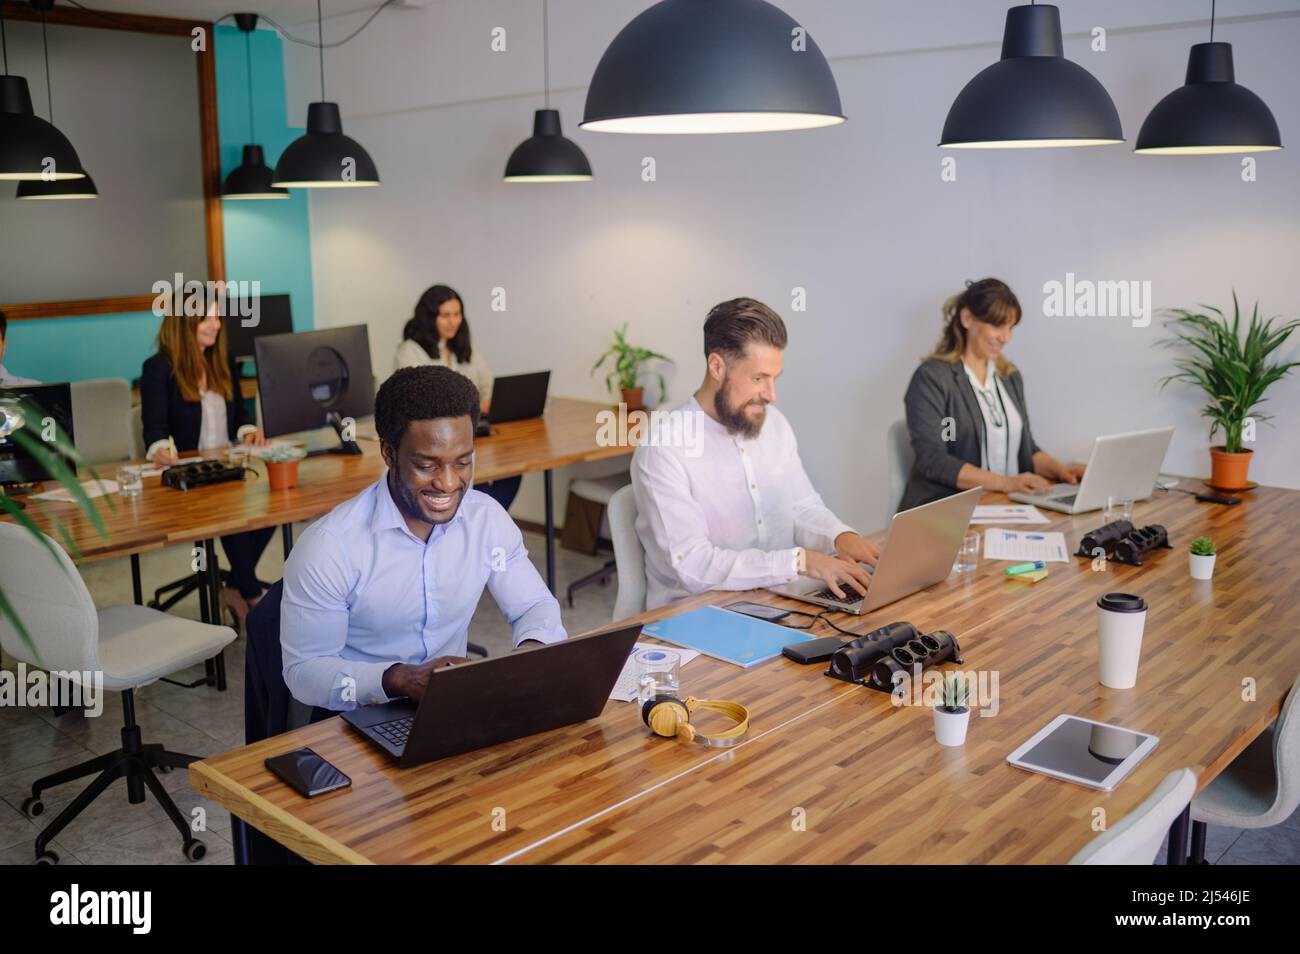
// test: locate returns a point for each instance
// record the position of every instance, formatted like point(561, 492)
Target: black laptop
point(516, 397)
point(481, 703)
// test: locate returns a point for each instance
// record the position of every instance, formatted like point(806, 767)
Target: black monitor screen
point(52, 403)
point(305, 377)
point(274, 317)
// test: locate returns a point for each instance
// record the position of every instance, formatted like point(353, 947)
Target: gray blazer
point(940, 389)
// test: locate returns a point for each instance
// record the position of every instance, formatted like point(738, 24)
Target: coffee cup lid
point(1122, 603)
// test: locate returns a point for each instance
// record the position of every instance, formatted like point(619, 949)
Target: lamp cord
point(4, 40)
point(320, 37)
point(49, 90)
point(1212, 20)
point(546, 56)
point(248, 62)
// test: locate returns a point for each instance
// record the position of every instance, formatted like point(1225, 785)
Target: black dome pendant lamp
point(30, 148)
point(41, 189)
point(324, 158)
point(711, 66)
point(251, 179)
point(547, 156)
point(1033, 97)
point(1210, 114)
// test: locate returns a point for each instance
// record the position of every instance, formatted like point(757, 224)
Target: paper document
point(1025, 545)
point(625, 689)
point(93, 488)
point(1008, 513)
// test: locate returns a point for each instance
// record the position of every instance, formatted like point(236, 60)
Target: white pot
point(1202, 567)
point(950, 727)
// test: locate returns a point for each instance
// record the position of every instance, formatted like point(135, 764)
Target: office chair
point(131, 645)
point(1261, 787)
point(898, 460)
point(1136, 839)
point(596, 490)
point(629, 555)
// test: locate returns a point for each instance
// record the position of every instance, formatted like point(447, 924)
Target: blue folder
point(722, 634)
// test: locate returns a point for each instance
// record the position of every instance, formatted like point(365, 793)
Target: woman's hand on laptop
point(845, 578)
point(403, 679)
point(852, 547)
point(1025, 483)
point(1051, 468)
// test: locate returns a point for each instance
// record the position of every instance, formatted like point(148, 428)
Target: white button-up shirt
point(1002, 424)
point(726, 514)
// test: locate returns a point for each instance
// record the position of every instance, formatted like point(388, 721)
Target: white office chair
point(1136, 839)
point(898, 458)
point(1261, 787)
point(629, 555)
point(101, 420)
point(131, 645)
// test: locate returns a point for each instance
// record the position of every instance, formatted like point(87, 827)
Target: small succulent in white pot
point(1200, 558)
point(952, 715)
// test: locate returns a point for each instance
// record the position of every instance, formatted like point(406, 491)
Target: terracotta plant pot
point(1228, 471)
point(634, 398)
point(282, 475)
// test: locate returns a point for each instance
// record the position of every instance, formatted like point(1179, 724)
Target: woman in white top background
point(438, 333)
point(966, 411)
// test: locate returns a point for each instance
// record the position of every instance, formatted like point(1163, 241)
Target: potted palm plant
point(1200, 558)
point(628, 361)
point(56, 456)
point(952, 715)
point(1233, 371)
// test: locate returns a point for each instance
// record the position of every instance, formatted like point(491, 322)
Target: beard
point(408, 501)
point(733, 418)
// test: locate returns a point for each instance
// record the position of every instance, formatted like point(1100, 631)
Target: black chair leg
point(169, 806)
point(1177, 854)
point(600, 576)
point(74, 773)
point(79, 804)
point(1199, 831)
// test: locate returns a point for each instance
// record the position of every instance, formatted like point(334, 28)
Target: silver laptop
point(919, 552)
point(1121, 465)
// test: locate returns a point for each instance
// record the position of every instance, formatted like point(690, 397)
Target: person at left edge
point(380, 591)
point(189, 397)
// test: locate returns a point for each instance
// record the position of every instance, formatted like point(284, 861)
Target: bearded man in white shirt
point(738, 512)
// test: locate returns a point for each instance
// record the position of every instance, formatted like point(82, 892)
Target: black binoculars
point(873, 659)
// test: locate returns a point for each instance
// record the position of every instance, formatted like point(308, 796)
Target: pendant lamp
point(251, 179)
point(1033, 97)
point(30, 147)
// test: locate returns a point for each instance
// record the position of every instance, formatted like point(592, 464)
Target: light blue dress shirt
point(8, 380)
point(362, 592)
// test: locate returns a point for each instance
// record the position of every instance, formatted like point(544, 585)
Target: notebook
point(722, 634)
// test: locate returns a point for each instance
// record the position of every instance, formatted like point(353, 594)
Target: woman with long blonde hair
point(966, 411)
point(190, 401)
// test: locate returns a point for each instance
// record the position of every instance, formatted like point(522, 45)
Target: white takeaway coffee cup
point(1121, 618)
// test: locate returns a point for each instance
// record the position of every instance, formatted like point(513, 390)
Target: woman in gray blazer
point(966, 412)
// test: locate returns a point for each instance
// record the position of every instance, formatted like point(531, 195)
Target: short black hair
point(4, 325)
point(422, 394)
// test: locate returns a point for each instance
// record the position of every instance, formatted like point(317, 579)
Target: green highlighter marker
point(1024, 568)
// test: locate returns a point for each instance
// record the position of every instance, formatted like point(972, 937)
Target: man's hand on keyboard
point(842, 577)
point(403, 679)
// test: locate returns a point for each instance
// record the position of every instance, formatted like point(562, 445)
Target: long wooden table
point(833, 772)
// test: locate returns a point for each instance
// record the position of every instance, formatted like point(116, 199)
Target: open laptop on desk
point(1121, 465)
point(919, 552)
point(516, 397)
point(481, 703)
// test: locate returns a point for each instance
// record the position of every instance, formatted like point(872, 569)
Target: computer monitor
point(17, 465)
point(274, 317)
point(315, 378)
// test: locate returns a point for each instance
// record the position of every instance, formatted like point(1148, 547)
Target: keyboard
point(848, 599)
point(1065, 500)
point(395, 732)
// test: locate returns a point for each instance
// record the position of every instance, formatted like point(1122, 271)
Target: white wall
point(856, 214)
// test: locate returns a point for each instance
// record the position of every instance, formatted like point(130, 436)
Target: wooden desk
point(872, 783)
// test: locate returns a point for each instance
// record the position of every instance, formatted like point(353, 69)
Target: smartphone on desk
point(307, 773)
point(770, 614)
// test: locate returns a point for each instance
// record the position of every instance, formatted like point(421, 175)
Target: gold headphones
point(670, 717)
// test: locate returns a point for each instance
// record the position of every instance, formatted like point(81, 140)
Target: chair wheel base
point(33, 807)
point(47, 857)
point(195, 850)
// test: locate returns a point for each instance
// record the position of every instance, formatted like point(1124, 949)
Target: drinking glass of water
point(658, 673)
point(1118, 508)
point(130, 480)
point(968, 557)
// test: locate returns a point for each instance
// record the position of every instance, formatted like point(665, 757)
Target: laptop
point(516, 397)
point(922, 545)
point(1121, 465)
point(481, 703)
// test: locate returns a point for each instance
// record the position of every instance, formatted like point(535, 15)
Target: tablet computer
point(1085, 752)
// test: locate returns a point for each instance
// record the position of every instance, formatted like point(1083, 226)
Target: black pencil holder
point(1140, 542)
point(1104, 538)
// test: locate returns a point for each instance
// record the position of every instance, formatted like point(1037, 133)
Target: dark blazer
point(940, 389)
point(164, 413)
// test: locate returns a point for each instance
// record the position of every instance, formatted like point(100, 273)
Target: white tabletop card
point(625, 690)
point(1008, 513)
point(93, 489)
point(1025, 545)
